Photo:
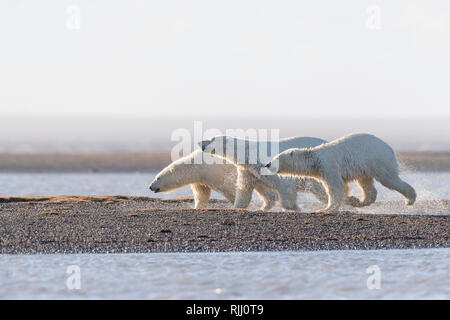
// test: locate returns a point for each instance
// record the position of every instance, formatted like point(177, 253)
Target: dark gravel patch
point(139, 224)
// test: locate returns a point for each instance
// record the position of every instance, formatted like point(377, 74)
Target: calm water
point(428, 186)
point(403, 274)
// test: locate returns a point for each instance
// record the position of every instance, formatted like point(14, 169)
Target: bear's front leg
point(243, 197)
point(288, 198)
point(202, 193)
point(336, 193)
point(244, 188)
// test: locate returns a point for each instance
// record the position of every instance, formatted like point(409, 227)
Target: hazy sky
point(203, 57)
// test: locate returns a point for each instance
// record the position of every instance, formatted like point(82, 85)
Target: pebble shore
point(122, 224)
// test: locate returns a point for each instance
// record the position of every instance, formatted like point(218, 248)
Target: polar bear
point(200, 171)
point(203, 176)
point(247, 156)
point(361, 157)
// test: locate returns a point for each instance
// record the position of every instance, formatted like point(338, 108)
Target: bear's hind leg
point(368, 189)
point(287, 193)
point(395, 183)
point(369, 193)
point(351, 200)
point(267, 195)
point(288, 200)
point(202, 193)
point(313, 186)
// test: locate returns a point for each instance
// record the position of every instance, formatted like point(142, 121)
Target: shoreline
point(155, 161)
point(122, 224)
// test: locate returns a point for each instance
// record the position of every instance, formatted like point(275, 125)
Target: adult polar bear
point(361, 157)
point(199, 170)
point(247, 155)
point(203, 173)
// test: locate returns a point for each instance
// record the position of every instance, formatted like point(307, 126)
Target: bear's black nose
point(154, 190)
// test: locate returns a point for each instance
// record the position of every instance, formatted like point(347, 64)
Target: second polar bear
point(199, 170)
point(361, 157)
point(248, 156)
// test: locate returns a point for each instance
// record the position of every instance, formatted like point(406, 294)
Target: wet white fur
point(249, 174)
point(361, 157)
point(204, 175)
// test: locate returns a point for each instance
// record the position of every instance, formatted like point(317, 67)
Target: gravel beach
point(113, 224)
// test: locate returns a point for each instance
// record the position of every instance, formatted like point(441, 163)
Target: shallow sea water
point(429, 186)
point(403, 274)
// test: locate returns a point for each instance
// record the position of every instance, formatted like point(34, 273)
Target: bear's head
point(156, 184)
point(233, 150)
point(282, 162)
point(294, 161)
point(165, 181)
point(215, 145)
point(178, 174)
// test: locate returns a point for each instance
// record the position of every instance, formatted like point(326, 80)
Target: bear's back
point(300, 142)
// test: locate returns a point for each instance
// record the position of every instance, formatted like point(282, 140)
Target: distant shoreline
point(155, 161)
point(121, 224)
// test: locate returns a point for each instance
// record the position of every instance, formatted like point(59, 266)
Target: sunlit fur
point(249, 172)
point(361, 157)
point(205, 176)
